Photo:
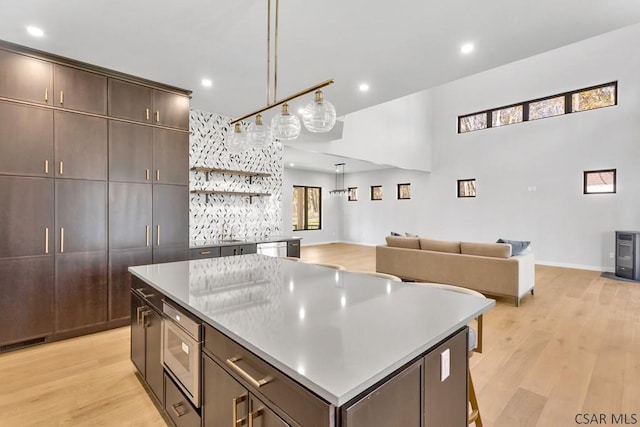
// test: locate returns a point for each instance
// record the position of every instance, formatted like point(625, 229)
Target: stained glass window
point(506, 116)
point(604, 96)
point(600, 181)
point(546, 108)
point(473, 122)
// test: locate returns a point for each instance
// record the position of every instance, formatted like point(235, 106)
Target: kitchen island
point(288, 343)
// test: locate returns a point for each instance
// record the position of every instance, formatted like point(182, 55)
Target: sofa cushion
point(495, 250)
point(403, 242)
point(517, 246)
point(440, 246)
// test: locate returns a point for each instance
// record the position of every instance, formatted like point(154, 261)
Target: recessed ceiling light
point(35, 31)
point(364, 87)
point(466, 48)
point(207, 83)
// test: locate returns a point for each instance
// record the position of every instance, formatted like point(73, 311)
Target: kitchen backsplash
point(231, 216)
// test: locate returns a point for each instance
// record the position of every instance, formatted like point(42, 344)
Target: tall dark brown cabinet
point(93, 179)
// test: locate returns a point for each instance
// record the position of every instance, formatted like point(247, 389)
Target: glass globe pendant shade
point(258, 135)
point(319, 115)
point(237, 141)
point(284, 125)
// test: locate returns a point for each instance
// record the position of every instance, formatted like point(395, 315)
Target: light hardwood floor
point(572, 348)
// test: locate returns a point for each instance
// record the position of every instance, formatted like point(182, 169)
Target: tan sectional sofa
point(488, 268)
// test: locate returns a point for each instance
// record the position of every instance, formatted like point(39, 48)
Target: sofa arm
point(526, 273)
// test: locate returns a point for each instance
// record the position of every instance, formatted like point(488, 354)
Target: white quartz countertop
point(335, 332)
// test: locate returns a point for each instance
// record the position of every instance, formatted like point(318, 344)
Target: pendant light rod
point(287, 99)
point(268, 51)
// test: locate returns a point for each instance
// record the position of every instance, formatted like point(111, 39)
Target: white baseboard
point(576, 266)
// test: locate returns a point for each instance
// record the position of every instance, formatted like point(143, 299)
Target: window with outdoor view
point(466, 188)
point(404, 191)
point(590, 98)
point(600, 181)
point(376, 192)
point(307, 208)
point(353, 194)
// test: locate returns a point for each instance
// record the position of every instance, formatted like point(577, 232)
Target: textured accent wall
point(229, 216)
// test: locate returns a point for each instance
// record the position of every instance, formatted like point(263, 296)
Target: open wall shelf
point(248, 194)
point(209, 171)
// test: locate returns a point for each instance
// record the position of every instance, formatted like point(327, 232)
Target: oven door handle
point(238, 370)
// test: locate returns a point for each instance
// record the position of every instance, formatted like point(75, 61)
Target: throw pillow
point(393, 233)
point(517, 246)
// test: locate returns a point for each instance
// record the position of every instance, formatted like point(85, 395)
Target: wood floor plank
point(523, 410)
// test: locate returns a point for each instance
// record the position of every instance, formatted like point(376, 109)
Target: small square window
point(603, 96)
point(376, 192)
point(404, 191)
point(600, 181)
point(353, 194)
point(467, 188)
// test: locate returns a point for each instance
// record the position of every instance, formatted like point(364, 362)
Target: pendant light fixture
point(339, 191)
point(258, 134)
point(320, 115)
point(237, 141)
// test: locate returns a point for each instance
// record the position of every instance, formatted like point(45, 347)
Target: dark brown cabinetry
point(146, 336)
point(227, 402)
point(25, 78)
point(170, 157)
point(80, 146)
point(81, 254)
point(26, 139)
point(130, 148)
point(231, 250)
point(170, 220)
point(202, 253)
point(64, 268)
point(178, 407)
point(396, 402)
point(26, 258)
point(79, 90)
point(445, 401)
point(143, 104)
point(293, 248)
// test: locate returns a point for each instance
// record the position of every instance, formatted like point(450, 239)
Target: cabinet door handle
point(158, 116)
point(46, 94)
point(148, 114)
point(255, 414)
point(145, 296)
point(61, 97)
point(46, 240)
point(241, 251)
point(157, 174)
point(235, 252)
point(143, 316)
point(157, 235)
point(147, 174)
point(179, 409)
point(61, 168)
point(205, 253)
point(46, 166)
point(236, 401)
point(147, 229)
point(138, 311)
point(254, 382)
point(61, 240)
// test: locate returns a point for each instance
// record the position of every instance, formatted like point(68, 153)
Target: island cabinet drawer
point(262, 379)
point(148, 294)
point(178, 407)
point(202, 253)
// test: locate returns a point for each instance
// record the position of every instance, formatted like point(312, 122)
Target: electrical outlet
point(611, 255)
point(445, 365)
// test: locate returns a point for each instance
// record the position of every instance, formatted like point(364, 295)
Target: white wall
point(395, 133)
point(331, 225)
point(566, 227)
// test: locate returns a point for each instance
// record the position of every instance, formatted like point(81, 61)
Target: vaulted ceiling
point(397, 47)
